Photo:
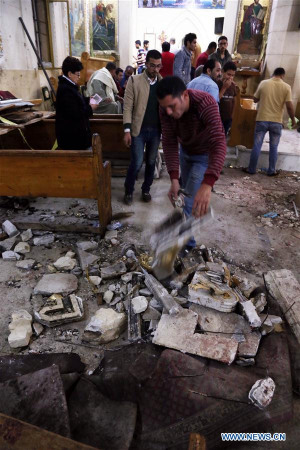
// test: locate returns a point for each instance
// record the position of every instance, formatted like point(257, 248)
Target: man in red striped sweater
point(191, 119)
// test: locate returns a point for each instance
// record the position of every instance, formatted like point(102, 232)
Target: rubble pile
point(202, 309)
point(99, 294)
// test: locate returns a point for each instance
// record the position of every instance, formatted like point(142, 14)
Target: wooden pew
point(243, 125)
point(42, 136)
point(91, 64)
point(64, 173)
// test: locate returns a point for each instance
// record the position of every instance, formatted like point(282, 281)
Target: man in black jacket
point(72, 109)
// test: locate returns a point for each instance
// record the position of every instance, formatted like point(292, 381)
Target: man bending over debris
point(191, 118)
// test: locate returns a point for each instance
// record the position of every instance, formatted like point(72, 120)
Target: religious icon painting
point(103, 25)
point(77, 26)
point(252, 26)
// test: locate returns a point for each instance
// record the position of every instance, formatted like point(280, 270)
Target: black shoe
point(245, 169)
point(274, 174)
point(146, 197)
point(128, 199)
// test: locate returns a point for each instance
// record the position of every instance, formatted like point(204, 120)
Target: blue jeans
point(193, 168)
point(149, 137)
point(261, 128)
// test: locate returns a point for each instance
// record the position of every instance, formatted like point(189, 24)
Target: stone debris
point(178, 332)
point(250, 313)
point(7, 244)
point(260, 302)
point(65, 263)
point(95, 280)
point(283, 286)
point(22, 247)
point(11, 256)
point(109, 235)
point(105, 326)
point(87, 245)
point(262, 392)
point(57, 283)
point(127, 277)
point(161, 294)
point(58, 310)
point(10, 229)
point(108, 296)
point(113, 271)
point(249, 347)
point(86, 259)
point(37, 328)
point(139, 304)
point(20, 329)
point(26, 264)
point(46, 240)
point(207, 293)
point(269, 323)
point(26, 235)
point(151, 314)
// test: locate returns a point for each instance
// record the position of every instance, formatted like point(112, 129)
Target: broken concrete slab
point(214, 321)
point(284, 287)
point(46, 239)
point(10, 256)
point(96, 420)
point(249, 347)
point(26, 235)
point(249, 311)
point(10, 229)
point(178, 332)
point(86, 259)
point(139, 304)
point(22, 247)
point(105, 325)
point(20, 329)
point(113, 271)
point(7, 244)
point(87, 245)
point(12, 366)
point(262, 392)
point(56, 283)
point(26, 264)
point(204, 292)
point(65, 263)
point(58, 310)
point(37, 398)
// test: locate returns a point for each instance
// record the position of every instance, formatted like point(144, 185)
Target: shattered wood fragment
point(134, 324)
point(284, 287)
point(178, 332)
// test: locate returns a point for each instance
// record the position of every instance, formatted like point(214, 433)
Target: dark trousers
point(149, 138)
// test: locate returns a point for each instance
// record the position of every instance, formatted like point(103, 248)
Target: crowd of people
point(182, 96)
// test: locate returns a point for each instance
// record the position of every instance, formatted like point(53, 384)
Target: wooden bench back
point(91, 64)
point(243, 125)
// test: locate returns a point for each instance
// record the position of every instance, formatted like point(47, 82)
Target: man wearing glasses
point(142, 125)
point(222, 54)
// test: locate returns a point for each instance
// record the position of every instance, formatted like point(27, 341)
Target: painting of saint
point(103, 25)
point(252, 28)
point(77, 26)
point(204, 4)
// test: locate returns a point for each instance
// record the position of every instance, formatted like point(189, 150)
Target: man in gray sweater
point(182, 61)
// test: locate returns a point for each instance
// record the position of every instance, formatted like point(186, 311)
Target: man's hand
point(127, 139)
point(173, 192)
point(107, 100)
point(202, 200)
point(226, 84)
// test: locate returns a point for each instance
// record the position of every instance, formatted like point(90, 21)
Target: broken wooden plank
point(18, 435)
point(284, 287)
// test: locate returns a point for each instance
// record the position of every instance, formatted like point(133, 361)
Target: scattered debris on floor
point(178, 333)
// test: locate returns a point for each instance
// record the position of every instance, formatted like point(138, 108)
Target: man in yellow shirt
point(272, 95)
